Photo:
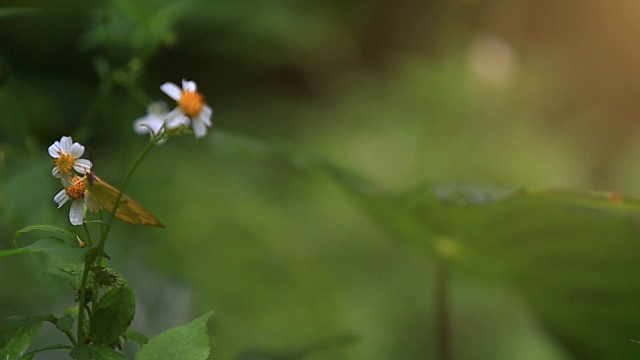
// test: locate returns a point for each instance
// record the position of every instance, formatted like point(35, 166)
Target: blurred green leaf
point(112, 315)
point(572, 254)
point(65, 323)
point(50, 246)
point(297, 353)
point(126, 29)
point(96, 352)
point(18, 332)
point(391, 210)
point(185, 342)
point(19, 11)
point(55, 230)
point(136, 336)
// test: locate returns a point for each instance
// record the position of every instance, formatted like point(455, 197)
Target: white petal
point(177, 122)
point(189, 86)
point(61, 198)
point(66, 181)
point(65, 144)
point(199, 128)
point(207, 110)
point(158, 108)
point(91, 201)
point(82, 166)
point(55, 172)
point(205, 115)
point(65, 178)
point(140, 127)
point(156, 124)
point(54, 150)
point(172, 90)
point(173, 115)
point(76, 214)
point(76, 150)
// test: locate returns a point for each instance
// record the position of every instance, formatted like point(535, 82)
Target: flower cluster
point(67, 167)
point(191, 110)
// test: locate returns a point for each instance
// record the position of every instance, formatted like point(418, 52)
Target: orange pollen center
point(75, 191)
point(191, 103)
point(64, 162)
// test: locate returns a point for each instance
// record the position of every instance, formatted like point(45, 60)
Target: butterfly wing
point(128, 210)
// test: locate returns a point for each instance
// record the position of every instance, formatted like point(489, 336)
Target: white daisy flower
point(154, 121)
point(190, 104)
point(67, 158)
point(75, 190)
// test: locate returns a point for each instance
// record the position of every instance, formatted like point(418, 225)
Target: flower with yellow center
point(75, 191)
point(67, 158)
point(154, 122)
point(191, 105)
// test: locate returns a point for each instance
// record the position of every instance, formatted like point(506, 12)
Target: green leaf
point(301, 352)
point(113, 315)
point(65, 323)
point(185, 342)
point(18, 332)
point(239, 145)
point(56, 231)
point(572, 255)
point(136, 336)
point(49, 246)
point(391, 210)
point(96, 352)
point(18, 11)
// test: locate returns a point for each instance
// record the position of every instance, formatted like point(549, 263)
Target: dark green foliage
point(96, 352)
point(113, 314)
point(18, 332)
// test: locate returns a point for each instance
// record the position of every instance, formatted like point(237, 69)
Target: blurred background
point(540, 93)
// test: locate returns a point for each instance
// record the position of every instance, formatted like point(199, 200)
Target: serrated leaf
point(49, 246)
point(112, 315)
point(96, 352)
point(18, 332)
point(55, 231)
point(185, 342)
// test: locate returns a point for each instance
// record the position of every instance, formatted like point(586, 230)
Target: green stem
point(71, 338)
point(86, 230)
point(443, 320)
point(52, 347)
point(82, 300)
point(104, 234)
point(123, 186)
point(136, 93)
point(98, 102)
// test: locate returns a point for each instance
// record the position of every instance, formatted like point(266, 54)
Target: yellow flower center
point(191, 103)
point(64, 162)
point(76, 190)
